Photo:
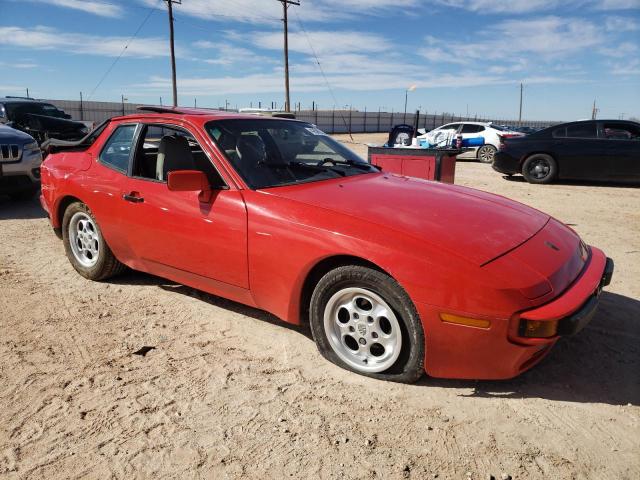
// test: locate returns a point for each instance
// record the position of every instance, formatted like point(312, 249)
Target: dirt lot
point(229, 392)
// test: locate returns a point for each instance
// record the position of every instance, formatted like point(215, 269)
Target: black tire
point(409, 366)
point(24, 195)
point(486, 154)
point(107, 265)
point(540, 168)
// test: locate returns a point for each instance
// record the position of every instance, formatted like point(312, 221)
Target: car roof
point(198, 115)
point(484, 124)
point(21, 100)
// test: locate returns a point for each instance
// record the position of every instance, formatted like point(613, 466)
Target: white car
point(445, 134)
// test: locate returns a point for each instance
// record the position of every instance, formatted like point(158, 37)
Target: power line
point(153, 9)
point(324, 76)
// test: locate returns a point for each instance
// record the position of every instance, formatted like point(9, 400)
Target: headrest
point(173, 145)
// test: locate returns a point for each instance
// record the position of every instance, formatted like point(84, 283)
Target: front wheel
point(362, 320)
point(486, 153)
point(85, 246)
point(540, 168)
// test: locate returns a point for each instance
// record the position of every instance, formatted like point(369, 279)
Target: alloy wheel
point(84, 239)
point(362, 330)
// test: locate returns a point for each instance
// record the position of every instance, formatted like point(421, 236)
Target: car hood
point(468, 223)
point(8, 134)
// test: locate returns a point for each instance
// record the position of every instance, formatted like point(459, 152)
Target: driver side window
point(162, 149)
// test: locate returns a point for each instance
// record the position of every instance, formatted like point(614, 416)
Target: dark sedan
point(586, 150)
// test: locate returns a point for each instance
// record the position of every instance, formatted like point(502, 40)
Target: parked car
point(20, 160)
point(394, 275)
point(585, 150)
point(39, 119)
point(526, 130)
point(490, 132)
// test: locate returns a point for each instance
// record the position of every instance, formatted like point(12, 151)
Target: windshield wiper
point(353, 163)
point(318, 167)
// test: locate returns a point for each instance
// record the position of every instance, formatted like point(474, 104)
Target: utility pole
point(173, 53)
point(285, 19)
point(594, 110)
point(520, 115)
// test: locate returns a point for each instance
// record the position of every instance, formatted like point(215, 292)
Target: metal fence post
point(365, 120)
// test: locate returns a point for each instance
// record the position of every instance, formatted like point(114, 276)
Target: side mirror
point(190, 181)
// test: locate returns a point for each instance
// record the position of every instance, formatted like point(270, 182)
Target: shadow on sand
point(20, 209)
point(580, 183)
point(601, 364)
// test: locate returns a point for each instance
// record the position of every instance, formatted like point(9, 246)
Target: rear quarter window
point(117, 150)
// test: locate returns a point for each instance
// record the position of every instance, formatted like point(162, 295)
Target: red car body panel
point(454, 250)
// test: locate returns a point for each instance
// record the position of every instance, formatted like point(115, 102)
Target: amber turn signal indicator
point(538, 329)
point(467, 321)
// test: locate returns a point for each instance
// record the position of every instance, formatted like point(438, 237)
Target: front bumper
point(21, 175)
point(500, 352)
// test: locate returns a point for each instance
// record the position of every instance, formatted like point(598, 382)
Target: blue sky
point(459, 53)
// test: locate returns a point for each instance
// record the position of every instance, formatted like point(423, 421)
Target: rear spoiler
point(54, 145)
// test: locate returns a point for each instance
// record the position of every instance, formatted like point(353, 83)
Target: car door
point(175, 232)
point(622, 158)
point(470, 130)
point(108, 179)
point(578, 150)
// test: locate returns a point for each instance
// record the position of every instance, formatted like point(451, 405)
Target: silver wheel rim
point(539, 168)
point(84, 239)
point(362, 330)
point(486, 154)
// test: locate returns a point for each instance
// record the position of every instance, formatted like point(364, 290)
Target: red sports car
point(394, 275)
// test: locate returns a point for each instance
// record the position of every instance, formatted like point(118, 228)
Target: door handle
point(133, 197)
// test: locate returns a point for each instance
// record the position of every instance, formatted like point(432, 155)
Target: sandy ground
point(230, 392)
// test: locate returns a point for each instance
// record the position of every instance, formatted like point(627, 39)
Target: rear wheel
point(362, 320)
point(486, 153)
point(540, 168)
point(85, 246)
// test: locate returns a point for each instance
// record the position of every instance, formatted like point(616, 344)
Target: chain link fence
point(330, 121)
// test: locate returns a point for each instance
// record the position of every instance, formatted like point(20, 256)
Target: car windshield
point(271, 153)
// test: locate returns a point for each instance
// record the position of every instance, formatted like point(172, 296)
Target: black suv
point(39, 119)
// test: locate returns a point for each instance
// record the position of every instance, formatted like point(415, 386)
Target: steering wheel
point(322, 163)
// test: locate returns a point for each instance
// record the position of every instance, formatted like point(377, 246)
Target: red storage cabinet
point(427, 163)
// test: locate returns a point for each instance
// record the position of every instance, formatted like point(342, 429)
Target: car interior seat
point(174, 153)
point(257, 166)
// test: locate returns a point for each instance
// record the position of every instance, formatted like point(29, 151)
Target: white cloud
point(228, 54)
point(529, 6)
point(624, 50)
point(621, 24)
point(45, 38)
point(270, 11)
point(616, 4)
point(102, 9)
point(324, 42)
point(21, 65)
point(508, 41)
point(628, 68)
